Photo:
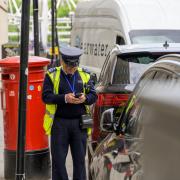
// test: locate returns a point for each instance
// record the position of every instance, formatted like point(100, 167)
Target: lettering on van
point(97, 49)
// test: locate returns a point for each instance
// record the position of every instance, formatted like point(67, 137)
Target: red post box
point(37, 156)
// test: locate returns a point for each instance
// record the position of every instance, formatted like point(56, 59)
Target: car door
point(111, 159)
point(104, 157)
point(132, 130)
point(119, 156)
point(132, 123)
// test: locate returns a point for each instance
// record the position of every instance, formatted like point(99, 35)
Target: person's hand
point(70, 98)
point(82, 98)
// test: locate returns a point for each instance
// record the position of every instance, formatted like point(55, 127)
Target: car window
point(165, 76)
point(131, 119)
point(136, 70)
point(129, 68)
point(161, 76)
point(154, 36)
point(121, 72)
point(130, 116)
point(104, 67)
point(138, 112)
point(109, 69)
point(134, 125)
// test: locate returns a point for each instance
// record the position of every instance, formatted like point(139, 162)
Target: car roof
point(151, 48)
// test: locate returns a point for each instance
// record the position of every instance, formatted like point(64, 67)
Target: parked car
point(119, 155)
point(121, 71)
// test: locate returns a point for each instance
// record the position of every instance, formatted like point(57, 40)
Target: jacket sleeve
point(91, 95)
point(48, 95)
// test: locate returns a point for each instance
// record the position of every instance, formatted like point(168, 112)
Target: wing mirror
point(94, 78)
point(107, 120)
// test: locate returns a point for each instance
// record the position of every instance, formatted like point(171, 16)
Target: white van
point(99, 24)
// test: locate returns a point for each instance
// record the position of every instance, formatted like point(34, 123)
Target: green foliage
point(13, 39)
point(13, 28)
point(63, 11)
point(18, 4)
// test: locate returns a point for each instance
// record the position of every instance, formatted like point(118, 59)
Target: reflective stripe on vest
point(51, 108)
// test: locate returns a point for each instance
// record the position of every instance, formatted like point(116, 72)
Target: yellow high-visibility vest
point(51, 108)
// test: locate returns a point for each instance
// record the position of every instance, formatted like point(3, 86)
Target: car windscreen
point(154, 36)
point(129, 67)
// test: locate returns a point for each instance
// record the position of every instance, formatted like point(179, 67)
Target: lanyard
point(72, 87)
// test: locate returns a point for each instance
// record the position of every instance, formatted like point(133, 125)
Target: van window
point(154, 36)
point(120, 40)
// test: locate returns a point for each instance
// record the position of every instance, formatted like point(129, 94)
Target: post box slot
point(5, 76)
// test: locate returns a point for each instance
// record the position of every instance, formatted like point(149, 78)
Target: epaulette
point(51, 70)
point(86, 70)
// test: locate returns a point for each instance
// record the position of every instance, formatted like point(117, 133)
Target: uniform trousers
point(67, 133)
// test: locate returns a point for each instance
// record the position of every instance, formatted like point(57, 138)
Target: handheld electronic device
point(77, 95)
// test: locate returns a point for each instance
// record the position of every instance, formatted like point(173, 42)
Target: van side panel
point(95, 30)
point(96, 36)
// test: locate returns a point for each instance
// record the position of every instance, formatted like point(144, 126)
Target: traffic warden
point(67, 92)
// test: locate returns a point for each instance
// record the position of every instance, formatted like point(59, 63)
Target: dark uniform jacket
point(66, 110)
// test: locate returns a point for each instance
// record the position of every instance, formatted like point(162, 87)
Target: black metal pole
point(57, 38)
point(36, 27)
point(20, 161)
point(53, 29)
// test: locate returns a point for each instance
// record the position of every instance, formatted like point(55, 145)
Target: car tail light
point(112, 99)
point(105, 101)
point(96, 116)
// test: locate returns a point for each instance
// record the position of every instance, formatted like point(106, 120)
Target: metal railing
point(64, 26)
